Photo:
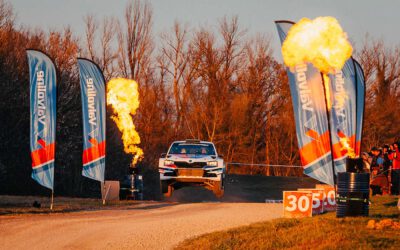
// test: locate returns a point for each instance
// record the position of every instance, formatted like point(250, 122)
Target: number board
point(329, 197)
point(297, 204)
point(190, 172)
point(318, 199)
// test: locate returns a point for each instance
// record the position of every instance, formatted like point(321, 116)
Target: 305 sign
point(297, 204)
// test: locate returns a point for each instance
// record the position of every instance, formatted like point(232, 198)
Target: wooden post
point(52, 200)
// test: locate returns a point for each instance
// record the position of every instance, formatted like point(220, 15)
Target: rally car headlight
point(168, 162)
point(212, 163)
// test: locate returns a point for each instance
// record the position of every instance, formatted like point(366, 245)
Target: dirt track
point(147, 226)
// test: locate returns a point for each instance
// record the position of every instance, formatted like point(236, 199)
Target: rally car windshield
point(198, 149)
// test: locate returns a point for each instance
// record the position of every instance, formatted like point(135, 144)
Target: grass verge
point(320, 232)
point(23, 204)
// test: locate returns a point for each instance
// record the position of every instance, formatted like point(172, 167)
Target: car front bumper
point(191, 174)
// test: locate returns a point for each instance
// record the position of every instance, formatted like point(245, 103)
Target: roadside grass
point(320, 232)
point(24, 204)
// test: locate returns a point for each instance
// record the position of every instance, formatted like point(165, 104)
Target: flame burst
point(323, 43)
point(123, 95)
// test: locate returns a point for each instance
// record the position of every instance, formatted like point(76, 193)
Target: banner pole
point(52, 199)
point(104, 192)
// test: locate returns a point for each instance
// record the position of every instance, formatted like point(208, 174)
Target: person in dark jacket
point(379, 181)
point(387, 162)
point(377, 159)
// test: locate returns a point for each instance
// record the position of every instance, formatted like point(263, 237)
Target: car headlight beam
point(212, 163)
point(168, 162)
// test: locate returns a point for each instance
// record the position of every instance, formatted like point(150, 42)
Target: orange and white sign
point(297, 204)
point(329, 197)
point(318, 199)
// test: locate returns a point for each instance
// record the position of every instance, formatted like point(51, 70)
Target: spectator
point(366, 162)
point(387, 162)
point(396, 169)
point(377, 160)
point(379, 182)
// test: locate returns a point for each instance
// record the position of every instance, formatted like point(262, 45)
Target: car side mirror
point(163, 155)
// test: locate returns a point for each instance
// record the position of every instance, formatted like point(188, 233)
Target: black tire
point(218, 189)
point(166, 189)
point(163, 186)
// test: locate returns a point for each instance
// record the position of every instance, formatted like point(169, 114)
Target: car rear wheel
point(166, 189)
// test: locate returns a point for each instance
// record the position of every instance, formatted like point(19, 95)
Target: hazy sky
point(381, 19)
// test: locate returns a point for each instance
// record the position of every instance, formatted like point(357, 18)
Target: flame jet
point(123, 96)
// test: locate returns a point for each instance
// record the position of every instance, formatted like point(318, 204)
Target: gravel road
point(147, 226)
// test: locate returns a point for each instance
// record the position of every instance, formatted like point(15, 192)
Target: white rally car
point(190, 163)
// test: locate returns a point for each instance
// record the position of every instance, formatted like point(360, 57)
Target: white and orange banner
point(310, 115)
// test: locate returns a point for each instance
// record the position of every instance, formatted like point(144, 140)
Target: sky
point(380, 19)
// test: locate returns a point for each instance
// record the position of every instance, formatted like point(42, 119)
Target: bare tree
point(382, 70)
point(91, 26)
point(108, 54)
point(135, 40)
point(381, 66)
point(104, 56)
point(7, 16)
point(175, 52)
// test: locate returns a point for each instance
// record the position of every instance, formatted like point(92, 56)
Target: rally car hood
point(191, 157)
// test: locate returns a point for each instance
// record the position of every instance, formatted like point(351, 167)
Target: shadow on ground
point(244, 188)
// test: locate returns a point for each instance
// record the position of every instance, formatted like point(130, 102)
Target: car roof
point(192, 141)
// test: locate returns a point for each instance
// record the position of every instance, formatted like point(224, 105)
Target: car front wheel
point(166, 189)
point(218, 189)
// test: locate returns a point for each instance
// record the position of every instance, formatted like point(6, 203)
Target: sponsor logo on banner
point(91, 99)
point(340, 96)
point(41, 96)
point(297, 204)
point(304, 88)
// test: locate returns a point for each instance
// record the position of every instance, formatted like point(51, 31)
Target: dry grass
point(321, 232)
point(23, 204)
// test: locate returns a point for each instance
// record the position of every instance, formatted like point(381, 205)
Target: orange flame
point(123, 96)
point(327, 91)
point(321, 42)
point(346, 146)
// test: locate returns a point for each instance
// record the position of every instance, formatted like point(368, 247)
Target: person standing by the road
point(377, 160)
point(379, 182)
